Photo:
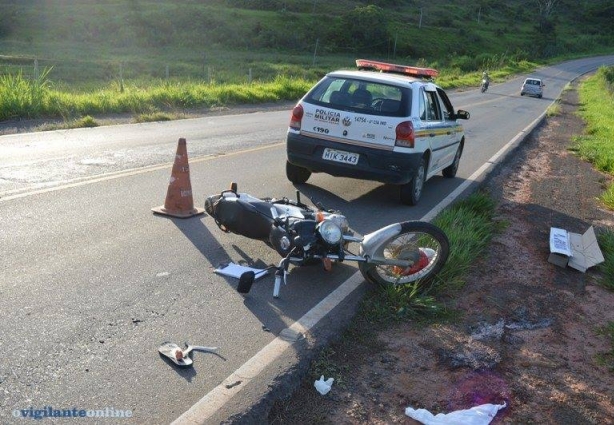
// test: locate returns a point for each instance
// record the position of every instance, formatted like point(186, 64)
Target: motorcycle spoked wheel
point(423, 243)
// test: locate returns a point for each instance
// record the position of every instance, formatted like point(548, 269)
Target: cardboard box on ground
point(574, 250)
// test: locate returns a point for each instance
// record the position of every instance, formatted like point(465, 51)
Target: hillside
point(94, 40)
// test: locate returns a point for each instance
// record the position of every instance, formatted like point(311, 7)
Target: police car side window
point(321, 93)
point(423, 102)
point(448, 109)
point(433, 112)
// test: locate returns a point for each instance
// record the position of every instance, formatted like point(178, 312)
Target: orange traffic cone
point(179, 201)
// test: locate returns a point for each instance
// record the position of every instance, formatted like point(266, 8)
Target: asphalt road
point(91, 282)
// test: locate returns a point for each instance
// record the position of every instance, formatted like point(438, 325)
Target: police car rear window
point(361, 96)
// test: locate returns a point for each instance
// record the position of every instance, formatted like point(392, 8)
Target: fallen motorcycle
point(397, 254)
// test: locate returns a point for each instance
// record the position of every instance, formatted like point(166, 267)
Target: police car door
point(436, 134)
point(452, 129)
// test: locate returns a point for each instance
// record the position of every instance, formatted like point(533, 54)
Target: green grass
point(596, 145)
point(554, 109)
point(607, 359)
point(606, 243)
point(147, 57)
point(22, 98)
point(469, 226)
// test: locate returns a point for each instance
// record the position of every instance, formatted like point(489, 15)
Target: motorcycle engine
point(297, 232)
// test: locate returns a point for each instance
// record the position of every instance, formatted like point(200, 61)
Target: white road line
point(207, 406)
point(215, 400)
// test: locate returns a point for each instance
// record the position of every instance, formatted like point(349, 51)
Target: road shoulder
point(527, 331)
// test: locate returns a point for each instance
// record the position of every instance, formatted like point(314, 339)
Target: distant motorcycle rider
point(485, 81)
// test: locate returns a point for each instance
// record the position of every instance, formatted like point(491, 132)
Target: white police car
point(384, 122)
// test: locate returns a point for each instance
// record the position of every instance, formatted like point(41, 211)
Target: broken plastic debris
point(478, 415)
point(323, 386)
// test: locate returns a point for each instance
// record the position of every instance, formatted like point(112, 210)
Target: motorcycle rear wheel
point(423, 242)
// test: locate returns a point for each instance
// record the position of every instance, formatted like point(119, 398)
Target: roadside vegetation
point(469, 226)
point(21, 97)
point(597, 99)
point(156, 59)
point(595, 146)
point(607, 359)
point(24, 98)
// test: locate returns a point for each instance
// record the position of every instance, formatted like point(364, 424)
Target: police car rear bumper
point(373, 164)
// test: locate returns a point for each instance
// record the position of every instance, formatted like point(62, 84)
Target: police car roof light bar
point(397, 69)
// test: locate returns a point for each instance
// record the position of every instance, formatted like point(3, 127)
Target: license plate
point(340, 156)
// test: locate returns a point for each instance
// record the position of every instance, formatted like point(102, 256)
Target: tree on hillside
point(365, 27)
point(600, 15)
point(8, 19)
point(546, 27)
point(546, 7)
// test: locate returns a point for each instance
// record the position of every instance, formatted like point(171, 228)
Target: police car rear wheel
point(411, 192)
point(296, 174)
point(450, 171)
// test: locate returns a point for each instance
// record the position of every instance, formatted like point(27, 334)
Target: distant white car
point(532, 87)
point(384, 122)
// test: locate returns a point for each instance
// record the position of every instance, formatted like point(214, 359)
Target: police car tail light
point(297, 116)
point(405, 135)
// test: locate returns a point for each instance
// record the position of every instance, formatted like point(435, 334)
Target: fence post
point(121, 77)
point(204, 62)
point(249, 78)
point(394, 51)
point(166, 72)
point(36, 74)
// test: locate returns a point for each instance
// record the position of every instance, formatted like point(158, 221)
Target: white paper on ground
point(478, 415)
point(559, 241)
point(236, 270)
